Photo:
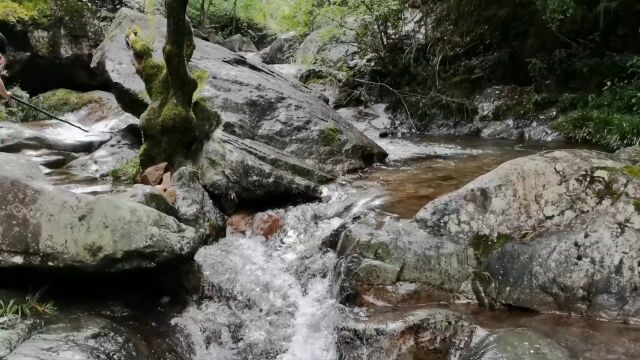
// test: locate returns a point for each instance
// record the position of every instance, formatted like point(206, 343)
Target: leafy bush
point(610, 119)
point(128, 173)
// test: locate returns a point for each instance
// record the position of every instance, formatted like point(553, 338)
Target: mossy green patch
point(201, 77)
point(129, 173)
point(330, 136)
point(63, 101)
point(484, 245)
point(633, 170)
point(636, 205)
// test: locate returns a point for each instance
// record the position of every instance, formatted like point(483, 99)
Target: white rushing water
point(274, 299)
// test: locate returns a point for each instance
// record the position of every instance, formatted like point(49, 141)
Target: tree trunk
point(177, 50)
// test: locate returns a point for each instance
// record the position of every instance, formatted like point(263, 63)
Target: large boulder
point(329, 46)
point(282, 50)
point(239, 43)
point(270, 124)
point(556, 231)
point(45, 226)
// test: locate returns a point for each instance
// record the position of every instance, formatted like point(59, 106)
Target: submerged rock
point(272, 127)
point(557, 231)
point(45, 226)
point(81, 337)
point(432, 333)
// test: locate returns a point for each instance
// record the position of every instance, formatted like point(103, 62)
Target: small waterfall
point(274, 299)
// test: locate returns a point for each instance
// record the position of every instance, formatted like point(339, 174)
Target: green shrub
point(129, 173)
point(610, 119)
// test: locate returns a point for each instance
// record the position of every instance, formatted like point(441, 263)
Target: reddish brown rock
point(267, 224)
point(153, 175)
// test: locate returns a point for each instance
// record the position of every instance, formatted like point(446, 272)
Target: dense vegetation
point(434, 56)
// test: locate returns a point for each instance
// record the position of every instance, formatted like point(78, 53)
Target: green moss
point(129, 173)
point(633, 170)
point(63, 101)
point(636, 205)
point(201, 77)
point(484, 245)
point(330, 136)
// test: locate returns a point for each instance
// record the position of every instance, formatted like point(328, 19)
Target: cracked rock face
point(556, 231)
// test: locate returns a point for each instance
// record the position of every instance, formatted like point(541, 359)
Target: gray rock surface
point(556, 231)
point(273, 127)
point(282, 50)
point(239, 43)
point(431, 333)
point(86, 338)
point(45, 226)
point(332, 51)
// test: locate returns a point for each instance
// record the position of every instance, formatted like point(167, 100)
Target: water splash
point(274, 299)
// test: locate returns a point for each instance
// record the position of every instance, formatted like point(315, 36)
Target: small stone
point(153, 175)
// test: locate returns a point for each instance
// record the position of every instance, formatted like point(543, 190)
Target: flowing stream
point(275, 299)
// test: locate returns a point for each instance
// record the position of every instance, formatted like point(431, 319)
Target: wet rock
point(556, 231)
point(45, 226)
point(51, 159)
point(431, 333)
point(76, 338)
point(421, 334)
point(267, 224)
point(121, 149)
point(49, 136)
point(282, 50)
point(239, 43)
point(99, 113)
point(521, 344)
point(377, 253)
point(240, 223)
point(195, 207)
point(269, 120)
point(13, 332)
point(153, 175)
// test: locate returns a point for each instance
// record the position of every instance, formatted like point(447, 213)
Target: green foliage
point(128, 173)
point(16, 113)
point(610, 119)
point(24, 12)
point(30, 305)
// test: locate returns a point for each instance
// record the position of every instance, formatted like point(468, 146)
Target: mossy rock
point(331, 136)
point(484, 245)
point(63, 101)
